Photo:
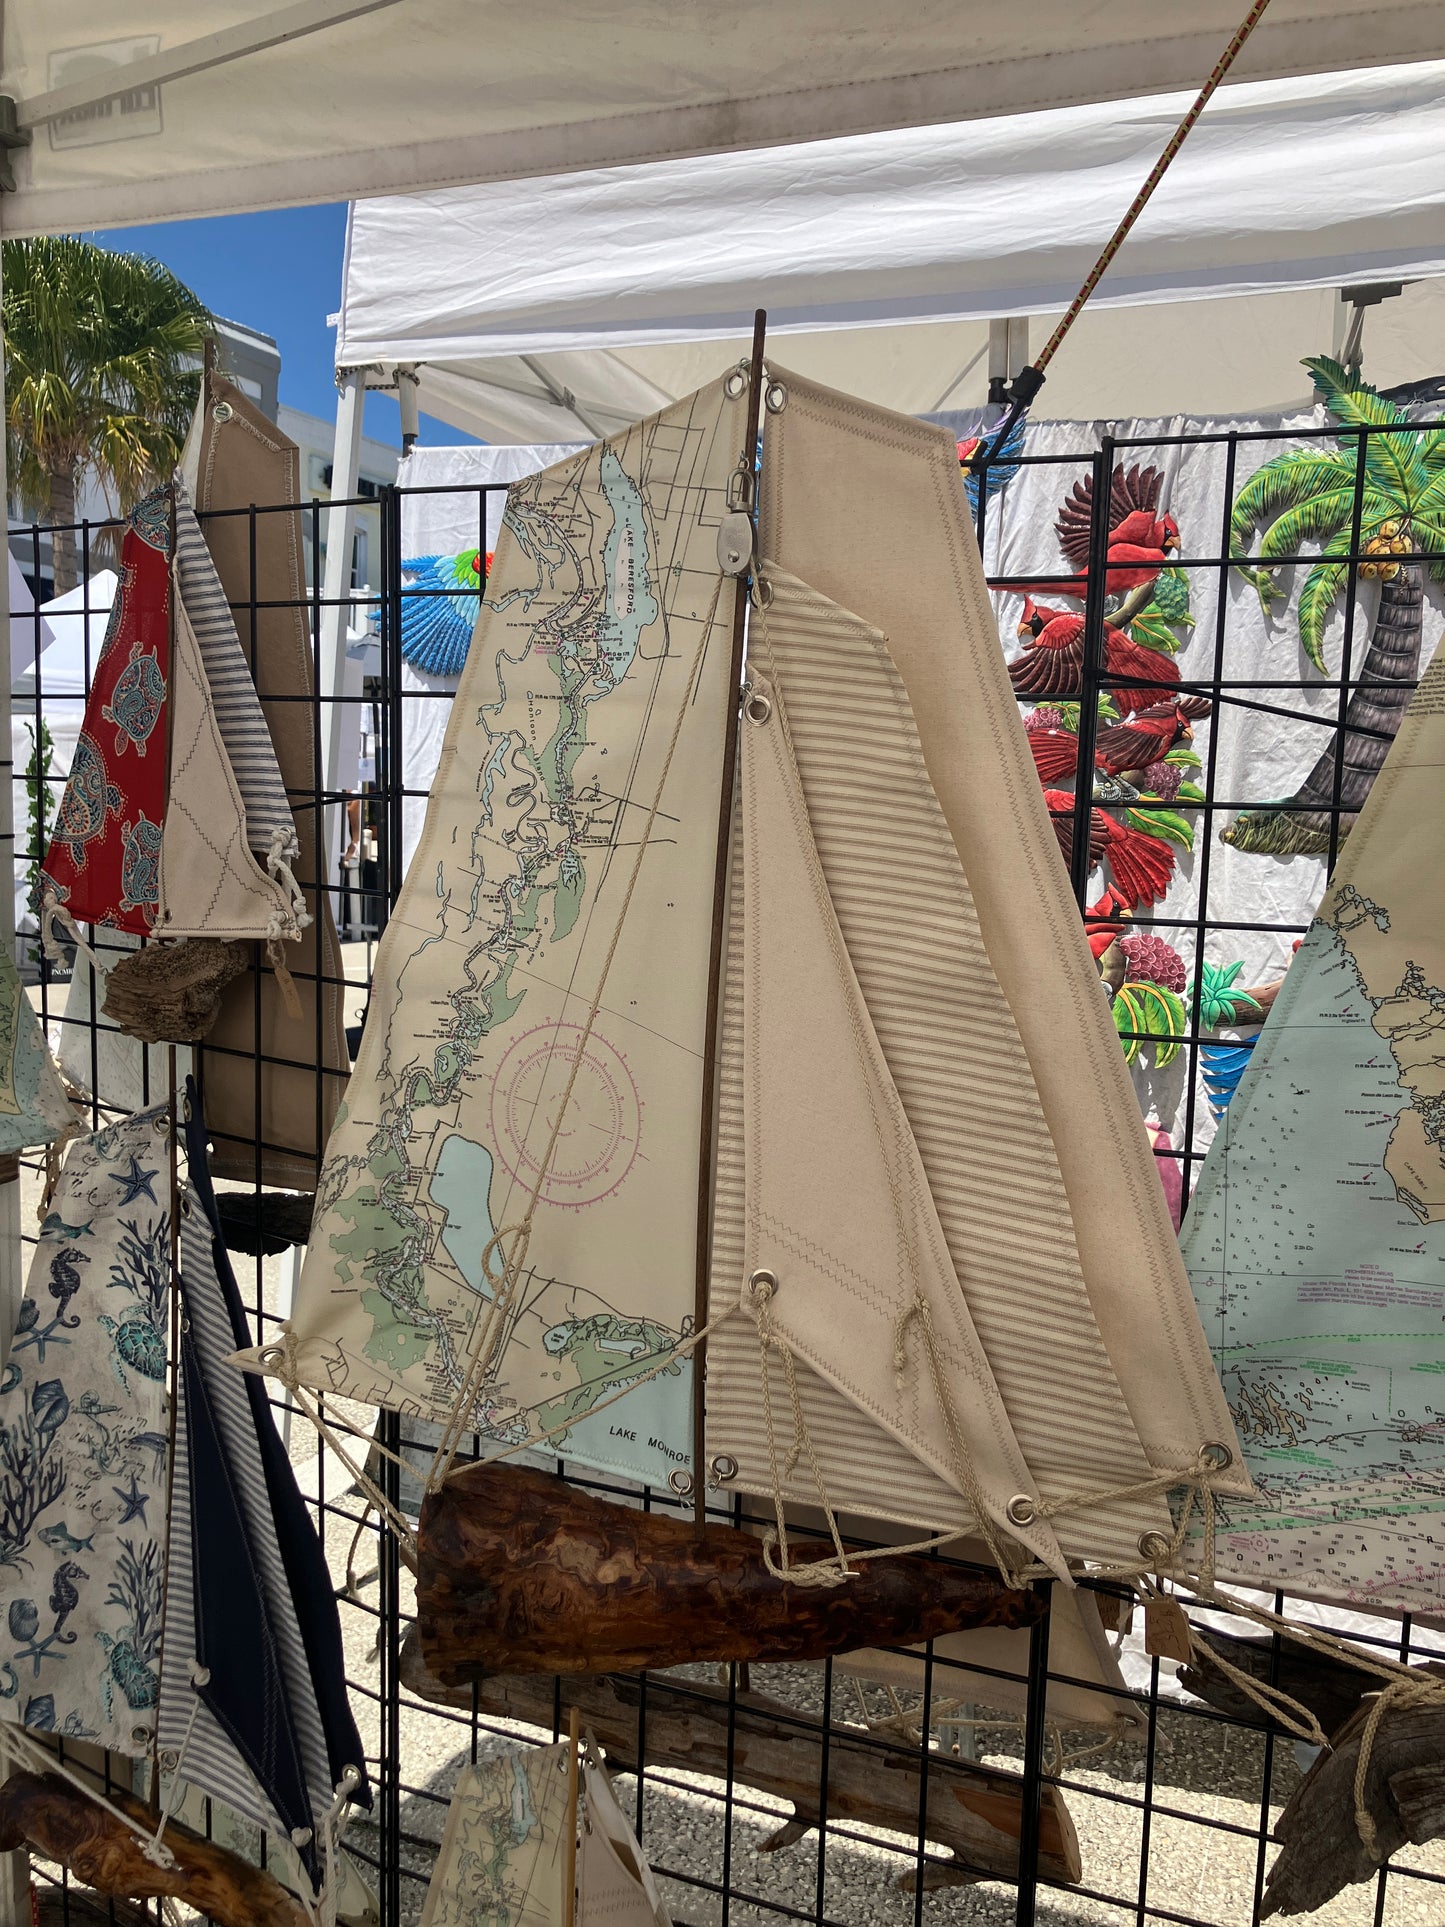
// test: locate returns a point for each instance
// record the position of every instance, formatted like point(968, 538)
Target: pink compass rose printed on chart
point(598, 1142)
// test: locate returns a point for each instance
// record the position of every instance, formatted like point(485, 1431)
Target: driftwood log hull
point(1404, 1792)
point(519, 1572)
point(47, 1813)
point(971, 1821)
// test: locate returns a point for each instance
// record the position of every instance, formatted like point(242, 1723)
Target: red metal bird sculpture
point(1141, 540)
point(1142, 866)
point(1052, 665)
point(1124, 750)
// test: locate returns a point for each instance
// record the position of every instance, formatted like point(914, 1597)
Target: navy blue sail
point(251, 1610)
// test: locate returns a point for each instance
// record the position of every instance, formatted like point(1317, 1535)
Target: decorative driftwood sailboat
point(928, 1259)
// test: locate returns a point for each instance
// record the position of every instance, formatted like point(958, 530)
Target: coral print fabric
point(83, 1447)
point(103, 863)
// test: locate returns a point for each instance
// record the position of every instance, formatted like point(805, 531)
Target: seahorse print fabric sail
point(604, 595)
point(83, 1448)
point(103, 863)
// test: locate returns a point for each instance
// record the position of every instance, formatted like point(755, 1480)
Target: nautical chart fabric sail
point(604, 580)
point(83, 1449)
point(250, 1610)
point(503, 1851)
point(1316, 1239)
point(984, 1003)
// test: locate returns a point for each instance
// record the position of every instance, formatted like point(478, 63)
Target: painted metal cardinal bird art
point(1053, 662)
point(1122, 751)
point(1141, 539)
point(1141, 865)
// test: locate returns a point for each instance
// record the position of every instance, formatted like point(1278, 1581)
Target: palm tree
point(102, 357)
point(1307, 496)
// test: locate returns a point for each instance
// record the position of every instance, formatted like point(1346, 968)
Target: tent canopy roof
point(560, 307)
point(265, 104)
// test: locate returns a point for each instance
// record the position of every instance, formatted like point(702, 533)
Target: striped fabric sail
point(905, 931)
point(250, 1601)
point(270, 827)
point(1061, 1176)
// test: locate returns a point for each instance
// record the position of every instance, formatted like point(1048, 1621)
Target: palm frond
point(102, 357)
point(1282, 484)
point(1316, 599)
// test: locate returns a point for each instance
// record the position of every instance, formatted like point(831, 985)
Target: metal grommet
point(736, 383)
point(1021, 1510)
point(723, 1468)
point(762, 592)
point(222, 412)
point(758, 707)
point(185, 1206)
point(169, 1759)
point(681, 1483)
point(1154, 1545)
point(1220, 1457)
point(762, 1283)
point(273, 1356)
point(776, 398)
point(162, 1125)
point(141, 1735)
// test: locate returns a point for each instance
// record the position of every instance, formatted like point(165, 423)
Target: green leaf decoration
point(1157, 1013)
point(1191, 793)
point(1219, 1002)
point(1183, 757)
point(1281, 485)
point(1325, 519)
point(1316, 599)
point(1168, 825)
point(1171, 596)
point(1151, 631)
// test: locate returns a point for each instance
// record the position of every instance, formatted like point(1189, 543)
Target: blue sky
point(278, 272)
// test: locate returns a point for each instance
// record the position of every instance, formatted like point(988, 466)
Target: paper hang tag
point(1166, 1630)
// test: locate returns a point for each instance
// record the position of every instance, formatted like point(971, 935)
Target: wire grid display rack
point(1173, 1818)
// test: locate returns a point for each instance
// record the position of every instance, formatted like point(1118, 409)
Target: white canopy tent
point(174, 111)
point(540, 306)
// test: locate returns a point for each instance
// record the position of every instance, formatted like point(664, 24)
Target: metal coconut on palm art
point(1306, 498)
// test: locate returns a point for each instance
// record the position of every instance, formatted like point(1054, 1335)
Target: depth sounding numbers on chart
point(597, 1143)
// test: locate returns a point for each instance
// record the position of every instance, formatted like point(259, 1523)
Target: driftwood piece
point(519, 1572)
point(45, 1812)
point(974, 1812)
point(1330, 1689)
point(1404, 1794)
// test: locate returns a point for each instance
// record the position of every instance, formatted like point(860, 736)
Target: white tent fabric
point(556, 307)
point(29, 630)
point(176, 111)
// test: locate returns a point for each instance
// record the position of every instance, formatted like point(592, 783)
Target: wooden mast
point(747, 466)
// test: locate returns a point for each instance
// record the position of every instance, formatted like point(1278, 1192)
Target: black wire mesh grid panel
point(803, 1793)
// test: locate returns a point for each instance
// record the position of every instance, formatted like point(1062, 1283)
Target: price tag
point(1166, 1630)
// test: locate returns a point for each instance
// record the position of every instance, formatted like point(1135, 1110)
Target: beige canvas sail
point(918, 578)
point(615, 1887)
point(210, 882)
point(835, 773)
point(530, 1051)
